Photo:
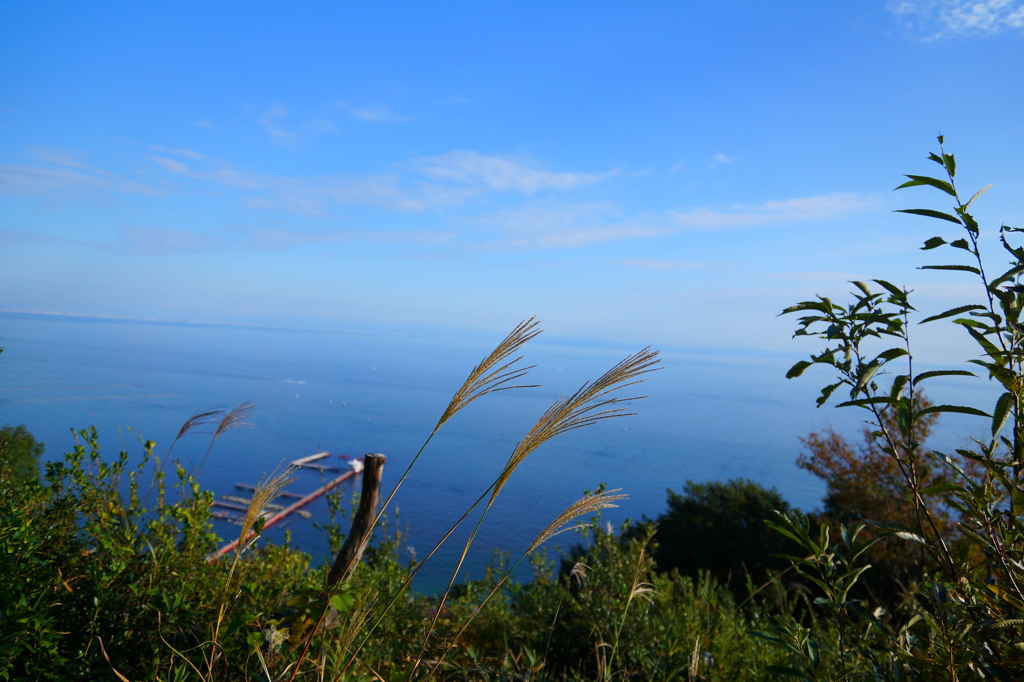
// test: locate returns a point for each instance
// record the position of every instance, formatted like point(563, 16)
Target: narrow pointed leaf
point(977, 194)
point(916, 180)
point(1001, 413)
point(962, 268)
point(913, 537)
point(940, 488)
point(943, 373)
point(953, 408)
point(929, 213)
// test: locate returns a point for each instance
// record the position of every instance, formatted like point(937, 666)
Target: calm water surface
point(708, 415)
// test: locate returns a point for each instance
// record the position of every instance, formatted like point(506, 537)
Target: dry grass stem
point(590, 404)
point(694, 660)
point(485, 379)
point(588, 504)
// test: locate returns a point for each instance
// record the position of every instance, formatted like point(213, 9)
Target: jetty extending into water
point(355, 466)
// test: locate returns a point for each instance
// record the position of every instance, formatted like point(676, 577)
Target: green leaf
point(864, 402)
point(1002, 412)
point(798, 369)
point(953, 408)
point(862, 286)
point(891, 288)
point(950, 163)
point(933, 243)
point(961, 244)
point(898, 384)
point(962, 268)
point(929, 213)
point(943, 373)
point(827, 392)
point(785, 671)
point(812, 653)
point(940, 488)
point(916, 180)
point(891, 354)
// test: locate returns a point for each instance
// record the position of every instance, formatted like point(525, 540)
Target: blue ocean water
point(708, 415)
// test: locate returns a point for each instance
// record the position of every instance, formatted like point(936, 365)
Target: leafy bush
point(19, 453)
point(963, 620)
point(718, 528)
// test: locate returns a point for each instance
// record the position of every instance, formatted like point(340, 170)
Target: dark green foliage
point(719, 528)
point(19, 453)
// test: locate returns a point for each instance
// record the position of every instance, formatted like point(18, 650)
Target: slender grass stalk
point(579, 572)
point(588, 504)
point(637, 589)
point(485, 378)
point(588, 405)
point(266, 490)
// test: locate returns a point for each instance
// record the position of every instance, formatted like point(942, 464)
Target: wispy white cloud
point(825, 207)
point(64, 175)
point(662, 264)
point(373, 114)
point(720, 159)
point(503, 173)
point(562, 227)
point(314, 196)
point(273, 123)
point(937, 18)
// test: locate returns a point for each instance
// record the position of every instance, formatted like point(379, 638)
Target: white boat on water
point(356, 464)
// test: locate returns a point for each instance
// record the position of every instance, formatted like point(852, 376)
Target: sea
point(707, 414)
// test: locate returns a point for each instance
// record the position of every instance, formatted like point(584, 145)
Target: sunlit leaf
point(940, 488)
point(1002, 412)
point(977, 194)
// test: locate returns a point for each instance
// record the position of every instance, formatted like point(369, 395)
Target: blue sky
point(667, 173)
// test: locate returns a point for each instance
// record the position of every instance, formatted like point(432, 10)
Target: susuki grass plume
point(232, 420)
point(588, 504)
point(199, 419)
point(590, 404)
point(486, 377)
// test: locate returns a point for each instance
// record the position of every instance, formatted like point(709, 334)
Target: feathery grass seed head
point(590, 404)
point(485, 379)
point(264, 493)
point(588, 504)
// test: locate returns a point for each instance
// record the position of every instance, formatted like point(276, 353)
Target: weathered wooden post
point(352, 549)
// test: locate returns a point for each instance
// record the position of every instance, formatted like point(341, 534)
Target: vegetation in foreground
point(913, 569)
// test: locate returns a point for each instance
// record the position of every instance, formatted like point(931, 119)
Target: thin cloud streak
point(501, 173)
point(65, 177)
point(825, 207)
